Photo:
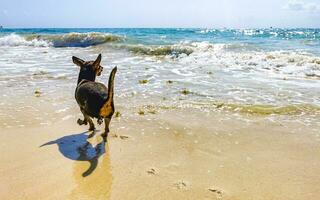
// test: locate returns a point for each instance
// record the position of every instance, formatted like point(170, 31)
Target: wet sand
point(173, 154)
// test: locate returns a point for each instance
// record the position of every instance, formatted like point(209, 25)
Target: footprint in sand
point(181, 185)
point(217, 192)
point(122, 137)
point(152, 171)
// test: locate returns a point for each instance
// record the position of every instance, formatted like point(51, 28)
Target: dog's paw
point(81, 122)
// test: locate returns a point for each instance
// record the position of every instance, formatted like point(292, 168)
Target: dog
point(94, 99)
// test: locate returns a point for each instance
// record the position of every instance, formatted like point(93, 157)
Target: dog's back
point(91, 96)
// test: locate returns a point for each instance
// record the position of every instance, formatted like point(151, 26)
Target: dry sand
point(174, 154)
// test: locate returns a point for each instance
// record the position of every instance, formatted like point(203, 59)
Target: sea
point(260, 72)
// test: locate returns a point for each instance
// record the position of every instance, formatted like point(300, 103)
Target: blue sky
point(160, 13)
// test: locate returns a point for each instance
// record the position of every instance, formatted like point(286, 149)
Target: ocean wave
point(238, 56)
point(173, 50)
point(187, 48)
point(17, 40)
point(176, 50)
point(244, 57)
point(61, 40)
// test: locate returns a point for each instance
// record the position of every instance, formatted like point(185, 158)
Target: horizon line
point(270, 27)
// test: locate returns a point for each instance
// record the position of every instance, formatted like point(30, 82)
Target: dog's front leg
point(81, 122)
point(91, 124)
point(87, 119)
point(84, 121)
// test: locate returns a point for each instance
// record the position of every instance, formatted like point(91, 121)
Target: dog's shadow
point(76, 147)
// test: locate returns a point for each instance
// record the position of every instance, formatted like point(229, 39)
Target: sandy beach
point(166, 155)
point(226, 114)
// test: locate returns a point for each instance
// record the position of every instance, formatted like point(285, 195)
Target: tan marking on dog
point(106, 110)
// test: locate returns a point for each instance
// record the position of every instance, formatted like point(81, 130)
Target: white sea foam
point(235, 56)
point(17, 40)
point(241, 56)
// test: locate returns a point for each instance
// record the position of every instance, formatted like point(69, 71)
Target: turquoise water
point(258, 39)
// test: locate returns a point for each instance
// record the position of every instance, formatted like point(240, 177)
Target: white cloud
point(313, 7)
point(298, 5)
point(294, 5)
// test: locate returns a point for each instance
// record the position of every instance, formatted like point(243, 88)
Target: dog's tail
point(107, 109)
point(111, 84)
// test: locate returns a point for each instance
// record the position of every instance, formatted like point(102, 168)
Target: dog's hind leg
point(91, 124)
point(106, 129)
point(100, 121)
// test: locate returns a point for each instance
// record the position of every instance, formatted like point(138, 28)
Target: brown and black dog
point(95, 99)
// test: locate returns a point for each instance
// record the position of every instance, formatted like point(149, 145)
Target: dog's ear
point(78, 61)
point(96, 63)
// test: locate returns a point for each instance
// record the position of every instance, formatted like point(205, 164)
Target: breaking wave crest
point(174, 50)
point(182, 48)
point(17, 40)
point(61, 40)
point(185, 48)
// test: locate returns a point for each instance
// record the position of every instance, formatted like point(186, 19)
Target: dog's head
point(91, 68)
